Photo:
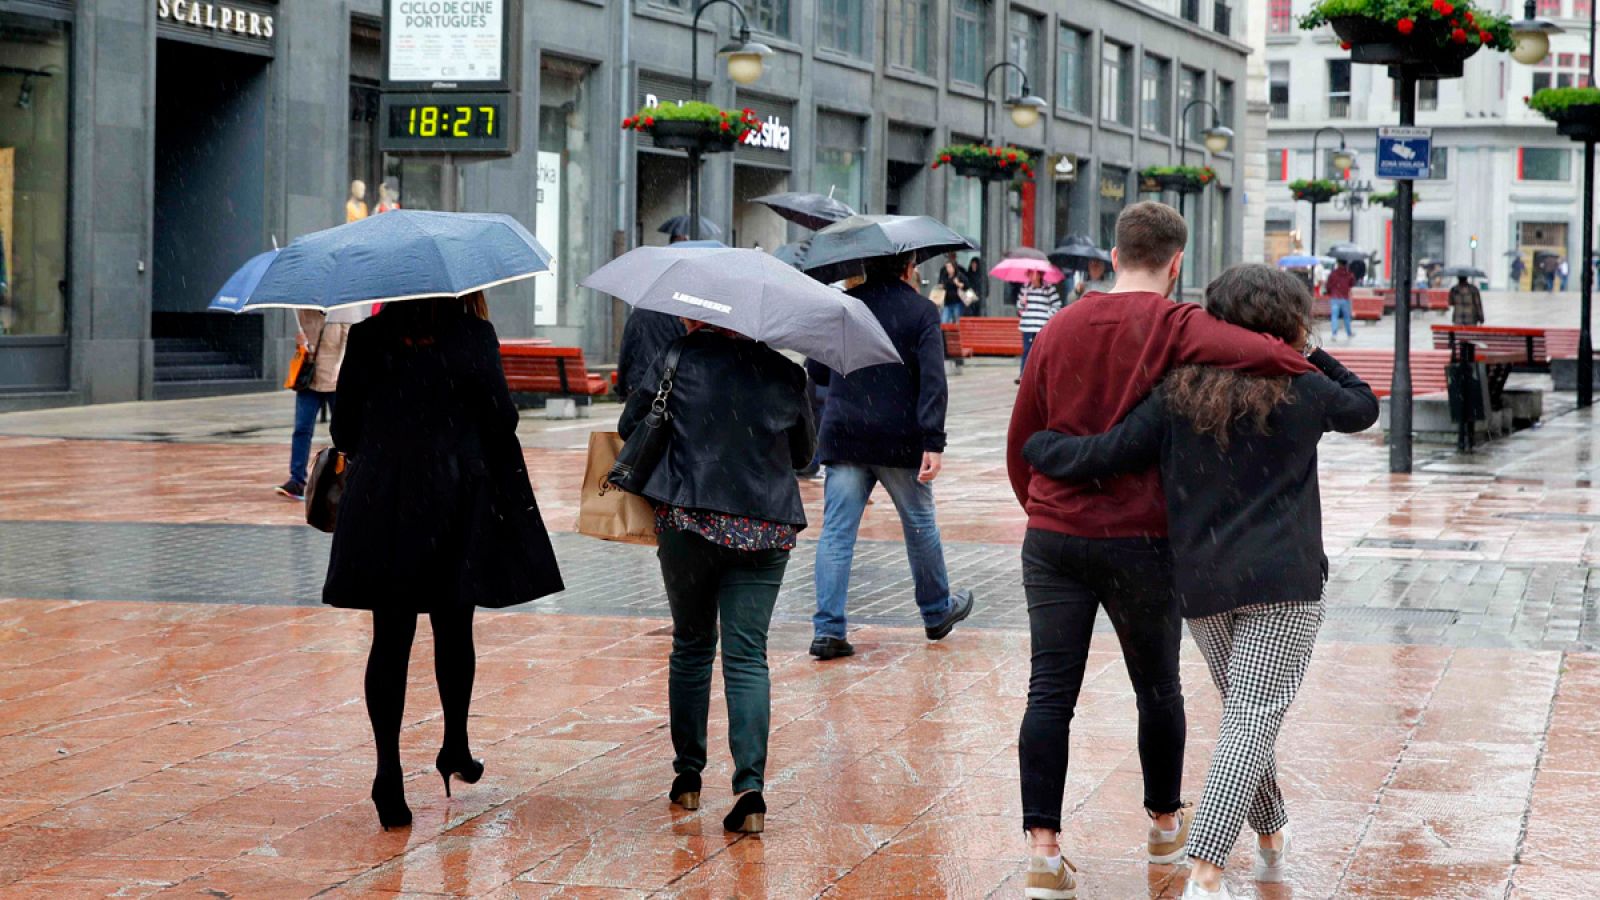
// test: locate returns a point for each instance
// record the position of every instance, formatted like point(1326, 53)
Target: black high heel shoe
point(464, 767)
point(748, 816)
point(389, 796)
point(686, 790)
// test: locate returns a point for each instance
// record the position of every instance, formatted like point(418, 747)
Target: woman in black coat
point(727, 513)
point(438, 515)
point(1238, 462)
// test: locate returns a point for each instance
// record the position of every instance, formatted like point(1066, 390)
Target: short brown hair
point(1149, 234)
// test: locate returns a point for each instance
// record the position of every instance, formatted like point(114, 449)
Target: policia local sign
point(450, 71)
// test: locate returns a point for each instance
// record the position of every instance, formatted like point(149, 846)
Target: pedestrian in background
point(322, 337)
point(1098, 279)
point(1563, 270)
point(1238, 456)
point(978, 282)
point(727, 514)
point(437, 517)
point(885, 425)
point(1037, 303)
point(1105, 544)
point(1466, 304)
point(1337, 288)
point(953, 280)
point(1518, 269)
point(1358, 268)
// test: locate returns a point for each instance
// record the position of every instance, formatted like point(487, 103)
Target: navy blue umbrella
point(400, 255)
point(241, 284)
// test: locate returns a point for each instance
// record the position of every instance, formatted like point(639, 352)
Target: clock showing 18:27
point(447, 123)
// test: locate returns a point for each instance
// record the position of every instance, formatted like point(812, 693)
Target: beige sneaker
point(1166, 847)
point(1045, 883)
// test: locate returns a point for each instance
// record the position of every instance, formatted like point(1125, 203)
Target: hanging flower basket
point(1391, 199)
point(1315, 190)
point(1575, 110)
point(696, 127)
point(1180, 179)
point(1434, 38)
point(986, 162)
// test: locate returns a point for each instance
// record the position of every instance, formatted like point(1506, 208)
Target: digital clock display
point(447, 123)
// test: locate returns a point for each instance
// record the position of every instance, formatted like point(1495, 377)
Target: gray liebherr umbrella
point(838, 251)
point(808, 210)
point(754, 294)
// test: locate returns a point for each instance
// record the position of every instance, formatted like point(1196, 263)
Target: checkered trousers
point(1258, 657)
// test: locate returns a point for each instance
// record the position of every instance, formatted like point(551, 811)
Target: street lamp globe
point(746, 59)
point(1026, 109)
point(1218, 137)
point(1343, 159)
point(1532, 35)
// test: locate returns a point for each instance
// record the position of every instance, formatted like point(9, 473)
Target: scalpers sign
point(216, 17)
point(772, 135)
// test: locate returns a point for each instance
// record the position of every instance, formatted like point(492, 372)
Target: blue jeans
point(1339, 308)
point(306, 406)
point(845, 496)
point(1027, 347)
point(951, 313)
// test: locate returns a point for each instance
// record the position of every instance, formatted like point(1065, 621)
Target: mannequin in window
point(388, 197)
point(355, 208)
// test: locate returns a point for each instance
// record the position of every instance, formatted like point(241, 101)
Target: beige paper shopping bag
point(606, 511)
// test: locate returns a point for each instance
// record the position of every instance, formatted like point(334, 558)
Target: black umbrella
point(1462, 272)
point(1077, 252)
point(808, 210)
point(1347, 252)
point(680, 225)
point(838, 251)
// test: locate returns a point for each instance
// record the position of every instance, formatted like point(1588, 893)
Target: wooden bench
point(991, 335)
point(1561, 343)
point(550, 372)
point(1362, 309)
point(1376, 368)
point(954, 350)
point(1528, 345)
point(1436, 299)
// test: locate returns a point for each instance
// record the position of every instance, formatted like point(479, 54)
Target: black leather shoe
point(960, 608)
point(831, 647)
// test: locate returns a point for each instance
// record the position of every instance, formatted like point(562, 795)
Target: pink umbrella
point(1019, 270)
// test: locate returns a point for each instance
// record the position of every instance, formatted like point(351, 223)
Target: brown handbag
point(606, 511)
point(325, 488)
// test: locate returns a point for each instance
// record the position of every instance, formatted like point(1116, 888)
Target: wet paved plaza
point(179, 716)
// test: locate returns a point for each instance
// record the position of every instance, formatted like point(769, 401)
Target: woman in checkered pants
point(1238, 459)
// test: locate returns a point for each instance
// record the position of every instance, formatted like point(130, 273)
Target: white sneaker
point(1273, 865)
point(1193, 891)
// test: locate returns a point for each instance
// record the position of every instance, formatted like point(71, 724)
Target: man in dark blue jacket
point(885, 425)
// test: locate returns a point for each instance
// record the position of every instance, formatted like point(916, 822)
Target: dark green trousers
point(708, 585)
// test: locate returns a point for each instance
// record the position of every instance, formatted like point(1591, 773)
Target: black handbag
point(642, 451)
point(325, 488)
point(307, 373)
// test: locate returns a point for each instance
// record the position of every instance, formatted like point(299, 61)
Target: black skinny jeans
point(1067, 579)
point(455, 663)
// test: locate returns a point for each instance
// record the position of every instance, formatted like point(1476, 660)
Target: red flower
point(1486, 37)
point(1344, 45)
point(1012, 156)
point(1443, 7)
point(944, 157)
point(649, 121)
point(1471, 19)
point(935, 165)
point(1002, 163)
point(748, 112)
point(1405, 26)
point(726, 126)
point(1458, 36)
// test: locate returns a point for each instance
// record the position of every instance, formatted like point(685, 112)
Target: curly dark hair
point(1260, 298)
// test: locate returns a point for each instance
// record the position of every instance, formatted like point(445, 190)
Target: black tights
point(454, 663)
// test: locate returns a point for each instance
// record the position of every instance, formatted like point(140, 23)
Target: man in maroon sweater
point(1104, 543)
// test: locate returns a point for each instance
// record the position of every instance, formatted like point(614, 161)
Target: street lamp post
point(746, 60)
point(1353, 198)
point(1216, 139)
point(1025, 108)
point(1342, 159)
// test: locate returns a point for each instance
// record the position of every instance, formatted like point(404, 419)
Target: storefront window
point(839, 166)
point(1113, 197)
point(566, 177)
point(34, 95)
point(964, 206)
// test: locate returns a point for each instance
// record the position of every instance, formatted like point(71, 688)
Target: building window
point(1338, 88)
point(969, 39)
point(1024, 34)
point(840, 147)
point(910, 24)
point(563, 207)
point(1549, 8)
point(1116, 83)
point(1544, 164)
point(1224, 101)
point(1278, 89)
point(1191, 87)
point(1427, 93)
point(1222, 18)
point(1189, 10)
point(842, 26)
point(1280, 16)
point(1073, 81)
point(1277, 164)
point(1113, 197)
point(1580, 9)
point(34, 92)
point(1563, 70)
point(769, 16)
point(1439, 163)
point(1155, 95)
